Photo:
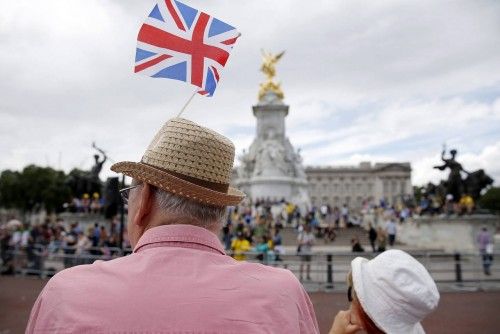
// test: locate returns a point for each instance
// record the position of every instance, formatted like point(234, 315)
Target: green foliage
point(33, 188)
point(10, 190)
point(491, 199)
point(417, 193)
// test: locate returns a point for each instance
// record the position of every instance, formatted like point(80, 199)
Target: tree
point(418, 192)
point(491, 199)
point(35, 187)
point(10, 190)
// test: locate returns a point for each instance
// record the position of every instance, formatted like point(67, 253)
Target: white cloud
point(418, 66)
point(403, 121)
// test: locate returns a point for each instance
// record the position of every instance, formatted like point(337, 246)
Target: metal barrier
point(45, 262)
point(318, 271)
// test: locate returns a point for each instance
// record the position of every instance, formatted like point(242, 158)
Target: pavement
point(458, 312)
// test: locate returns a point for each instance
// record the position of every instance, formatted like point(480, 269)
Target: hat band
point(220, 187)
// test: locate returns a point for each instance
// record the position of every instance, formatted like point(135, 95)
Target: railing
point(46, 261)
point(327, 271)
point(449, 270)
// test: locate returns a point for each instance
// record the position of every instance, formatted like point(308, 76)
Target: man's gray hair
point(185, 211)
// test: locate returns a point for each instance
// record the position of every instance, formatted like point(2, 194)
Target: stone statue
point(96, 169)
point(268, 67)
point(298, 167)
point(247, 164)
point(271, 168)
point(455, 184)
point(474, 183)
point(269, 63)
point(87, 182)
point(270, 157)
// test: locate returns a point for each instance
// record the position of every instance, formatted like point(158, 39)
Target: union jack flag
point(182, 43)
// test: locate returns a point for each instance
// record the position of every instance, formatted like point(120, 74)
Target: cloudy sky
point(365, 81)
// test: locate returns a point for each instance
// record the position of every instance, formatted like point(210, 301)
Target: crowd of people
point(86, 204)
point(24, 246)
point(255, 227)
point(252, 231)
point(433, 204)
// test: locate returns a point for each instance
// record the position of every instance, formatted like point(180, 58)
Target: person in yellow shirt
point(466, 204)
point(290, 208)
point(239, 246)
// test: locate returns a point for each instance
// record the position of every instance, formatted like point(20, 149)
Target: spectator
point(324, 211)
point(372, 236)
point(407, 290)
point(7, 256)
point(103, 236)
point(15, 240)
point(96, 235)
point(95, 204)
point(449, 205)
point(25, 235)
point(424, 205)
point(262, 249)
point(485, 243)
point(330, 234)
point(290, 208)
point(336, 217)
point(85, 203)
point(466, 204)
point(344, 213)
point(240, 246)
point(173, 225)
point(227, 235)
point(381, 240)
point(278, 245)
point(306, 241)
point(83, 245)
point(70, 241)
point(356, 245)
point(391, 231)
point(57, 239)
point(404, 214)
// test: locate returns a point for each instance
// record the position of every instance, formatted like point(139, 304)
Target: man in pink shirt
point(178, 279)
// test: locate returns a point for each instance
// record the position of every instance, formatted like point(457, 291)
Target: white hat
point(395, 291)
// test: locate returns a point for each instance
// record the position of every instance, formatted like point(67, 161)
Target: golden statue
point(268, 68)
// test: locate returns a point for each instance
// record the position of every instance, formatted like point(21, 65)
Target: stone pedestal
point(451, 234)
point(271, 168)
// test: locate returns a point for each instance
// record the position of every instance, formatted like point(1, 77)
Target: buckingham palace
point(352, 185)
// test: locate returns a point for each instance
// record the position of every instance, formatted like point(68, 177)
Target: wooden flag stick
point(184, 108)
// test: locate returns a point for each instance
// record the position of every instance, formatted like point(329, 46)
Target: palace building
point(353, 185)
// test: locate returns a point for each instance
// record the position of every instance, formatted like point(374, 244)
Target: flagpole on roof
point(188, 101)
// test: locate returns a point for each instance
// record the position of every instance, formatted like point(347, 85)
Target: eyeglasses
point(349, 294)
point(125, 192)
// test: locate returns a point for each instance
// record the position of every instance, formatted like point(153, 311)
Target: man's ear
point(144, 199)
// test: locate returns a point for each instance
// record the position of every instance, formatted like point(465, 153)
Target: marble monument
point(272, 168)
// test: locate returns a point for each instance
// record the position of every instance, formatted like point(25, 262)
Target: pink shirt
point(178, 280)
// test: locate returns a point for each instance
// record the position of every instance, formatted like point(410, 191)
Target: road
point(471, 312)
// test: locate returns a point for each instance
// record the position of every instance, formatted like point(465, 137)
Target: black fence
point(317, 271)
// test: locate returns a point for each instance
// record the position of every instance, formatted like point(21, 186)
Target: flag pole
point(188, 101)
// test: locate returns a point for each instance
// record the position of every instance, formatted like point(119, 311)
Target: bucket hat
point(188, 160)
point(395, 291)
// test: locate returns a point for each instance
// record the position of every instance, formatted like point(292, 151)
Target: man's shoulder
point(86, 275)
point(266, 276)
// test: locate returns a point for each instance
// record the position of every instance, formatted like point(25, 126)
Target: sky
point(378, 81)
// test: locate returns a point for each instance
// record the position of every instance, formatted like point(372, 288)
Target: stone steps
point(343, 238)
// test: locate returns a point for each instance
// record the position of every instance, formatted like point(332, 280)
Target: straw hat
point(188, 160)
point(395, 291)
